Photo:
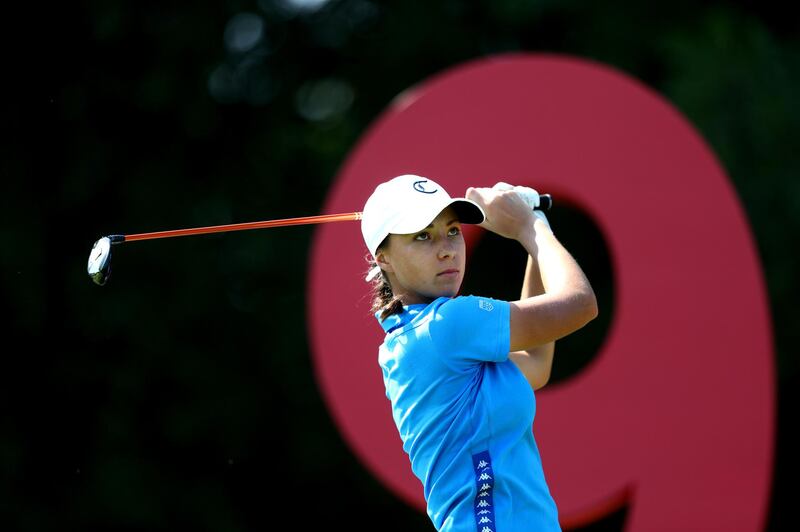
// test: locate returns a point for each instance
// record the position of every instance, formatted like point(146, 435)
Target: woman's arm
point(537, 362)
point(567, 302)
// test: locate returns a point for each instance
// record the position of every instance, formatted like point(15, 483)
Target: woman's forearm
point(535, 363)
point(553, 270)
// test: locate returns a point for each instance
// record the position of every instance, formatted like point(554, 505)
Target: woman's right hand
point(507, 213)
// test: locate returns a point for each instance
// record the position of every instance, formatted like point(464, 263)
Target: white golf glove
point(530, 196)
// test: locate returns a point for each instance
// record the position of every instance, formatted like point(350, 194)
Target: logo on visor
point(419, 187)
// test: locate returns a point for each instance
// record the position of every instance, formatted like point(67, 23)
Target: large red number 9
point(675, 415)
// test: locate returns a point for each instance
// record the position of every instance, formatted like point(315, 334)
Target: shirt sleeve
point(471, 328)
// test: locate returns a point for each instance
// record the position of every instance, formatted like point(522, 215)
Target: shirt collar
point(395, 321)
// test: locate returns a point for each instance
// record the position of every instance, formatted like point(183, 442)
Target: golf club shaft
point(546, 202)
point(323, 218)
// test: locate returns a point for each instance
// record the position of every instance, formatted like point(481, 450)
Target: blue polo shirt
point(464, 412)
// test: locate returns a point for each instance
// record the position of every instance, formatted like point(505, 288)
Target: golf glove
point(530, 196)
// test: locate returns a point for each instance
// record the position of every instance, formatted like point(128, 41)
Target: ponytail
point(383, 299)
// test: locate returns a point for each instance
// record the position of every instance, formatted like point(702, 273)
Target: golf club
point(99, 266)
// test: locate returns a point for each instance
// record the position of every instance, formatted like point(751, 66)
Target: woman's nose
point(447, 249)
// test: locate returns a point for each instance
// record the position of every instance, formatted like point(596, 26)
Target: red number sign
point(675, 415)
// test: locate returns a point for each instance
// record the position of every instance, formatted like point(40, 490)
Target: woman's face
point(429, 264)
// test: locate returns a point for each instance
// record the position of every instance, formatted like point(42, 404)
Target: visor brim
point(468, 212)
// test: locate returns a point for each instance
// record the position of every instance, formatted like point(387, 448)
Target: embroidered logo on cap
point(420, 187)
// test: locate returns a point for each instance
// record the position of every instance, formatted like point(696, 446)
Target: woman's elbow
point(591, 306)
point(539, 382)
point(588, 306)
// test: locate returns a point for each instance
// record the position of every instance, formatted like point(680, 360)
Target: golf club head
point(99, 266)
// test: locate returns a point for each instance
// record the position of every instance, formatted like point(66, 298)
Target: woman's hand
point(507, 213)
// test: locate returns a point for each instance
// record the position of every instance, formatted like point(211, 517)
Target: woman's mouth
point(447, 273)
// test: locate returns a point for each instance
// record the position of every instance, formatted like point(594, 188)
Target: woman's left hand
point(507, 213)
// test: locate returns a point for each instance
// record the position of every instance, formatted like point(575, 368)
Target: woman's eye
point(454, 231)
point(422, 236)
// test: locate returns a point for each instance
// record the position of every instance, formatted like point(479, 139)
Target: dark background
point(182, 393)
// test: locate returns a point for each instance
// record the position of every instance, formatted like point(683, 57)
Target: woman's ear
point(382, 260)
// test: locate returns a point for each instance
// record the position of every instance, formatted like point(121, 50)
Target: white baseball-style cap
point(407, 204)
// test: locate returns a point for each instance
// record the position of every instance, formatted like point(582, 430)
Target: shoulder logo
point(419, 186)
point(485, 305)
